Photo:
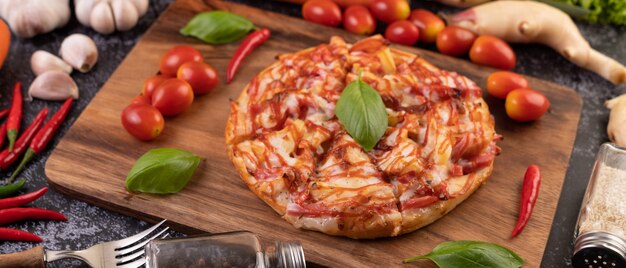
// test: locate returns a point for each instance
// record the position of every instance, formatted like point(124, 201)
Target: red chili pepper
point(15, 115)
point(253, 40)
point(7, 234)
point(44, 135)
point(22, 199)
point(11, 215)
point(4, 112)
point(530, 191)
point(3, 133)
point(7, 158)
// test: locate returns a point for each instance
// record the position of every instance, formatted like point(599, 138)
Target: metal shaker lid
point(599, 249)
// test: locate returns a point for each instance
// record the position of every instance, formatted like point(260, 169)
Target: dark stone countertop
point(89, 225)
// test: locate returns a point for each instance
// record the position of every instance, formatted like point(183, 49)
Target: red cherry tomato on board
point(525, 104)
point(201, 76)
point(143, 121)
point(151, 83)
point(172, 97)
point(141, 99)
point(389, 11)
point(402, 32)
point(175, 57)
point(455, 41)
point(324, 12)
point(492, 51)
point(499, 84)
point(358, 19)
point(428, 23)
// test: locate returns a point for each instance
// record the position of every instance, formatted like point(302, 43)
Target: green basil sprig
point(471, 254)
point(217, 27)
point(361, 111)
point(162, 171)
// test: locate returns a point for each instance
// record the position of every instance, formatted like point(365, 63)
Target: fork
point(123, 253)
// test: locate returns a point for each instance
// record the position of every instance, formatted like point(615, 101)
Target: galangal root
point(617, 120)
point(533, 22)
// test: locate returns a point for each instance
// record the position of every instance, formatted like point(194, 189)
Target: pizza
point(290, 149)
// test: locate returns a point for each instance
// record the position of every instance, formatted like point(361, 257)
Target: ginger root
point(533, 22)
point(463, 3)
point(617, 120)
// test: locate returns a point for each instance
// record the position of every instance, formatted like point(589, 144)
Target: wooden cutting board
point(93, 159)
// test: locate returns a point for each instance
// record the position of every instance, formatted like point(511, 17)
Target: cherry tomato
point(525, 104)
point(402, 32)
point(359, 20)
point(324, 12)
point(176, 56)
point(151, 83)
point(492, 51)
point(172, 97)
point(499, 84)
point(389, 11)
point(455, 41)
point(141, 99)
point(201, 76)
point(143, 121)
point(428, 23)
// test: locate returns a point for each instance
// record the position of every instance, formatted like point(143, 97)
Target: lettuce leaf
point(602, 11)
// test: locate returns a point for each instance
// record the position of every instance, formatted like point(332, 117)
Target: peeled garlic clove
point(42, 61)
point(53, 86)
point(80, 52)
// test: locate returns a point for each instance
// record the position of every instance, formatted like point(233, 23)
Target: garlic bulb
point(42, 61)
point(80, 52)
point(28, 18)
point(617, 120)
point(54, 86)
point(106, 16)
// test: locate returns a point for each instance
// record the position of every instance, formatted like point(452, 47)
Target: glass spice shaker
point(234, 249)
point(601, 227)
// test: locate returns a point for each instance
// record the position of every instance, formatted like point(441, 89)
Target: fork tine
point(129, 241)
point(134, 264)
point(131, 257)
point(141, 244)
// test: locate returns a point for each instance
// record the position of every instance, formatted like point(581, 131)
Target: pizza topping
point(403, 135)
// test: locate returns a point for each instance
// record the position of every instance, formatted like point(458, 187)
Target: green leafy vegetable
point(217, 27)
point(162, 171)
point(604, 11)
point(361, 111)
point(471, 254)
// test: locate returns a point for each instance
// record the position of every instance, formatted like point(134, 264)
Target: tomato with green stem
point(325, 12)
point(359, 20)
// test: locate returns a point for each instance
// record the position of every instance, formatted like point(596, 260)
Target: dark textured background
point(89, 225)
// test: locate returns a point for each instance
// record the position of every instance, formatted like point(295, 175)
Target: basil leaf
point(471, 254)
point(217, 27)
point(361, 111)
point(162, 171)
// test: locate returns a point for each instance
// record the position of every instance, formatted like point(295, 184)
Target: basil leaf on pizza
point(471, 254)
point(162, 171)
point(217, 27)
point(361, 111)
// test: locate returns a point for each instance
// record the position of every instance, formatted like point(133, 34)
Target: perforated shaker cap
point(599, 250)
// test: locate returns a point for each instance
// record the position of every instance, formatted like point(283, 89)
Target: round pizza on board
point(292, 151)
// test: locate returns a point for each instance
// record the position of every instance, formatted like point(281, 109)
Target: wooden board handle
point(26, 259)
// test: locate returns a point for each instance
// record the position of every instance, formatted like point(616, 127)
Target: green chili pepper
point(9, 190)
